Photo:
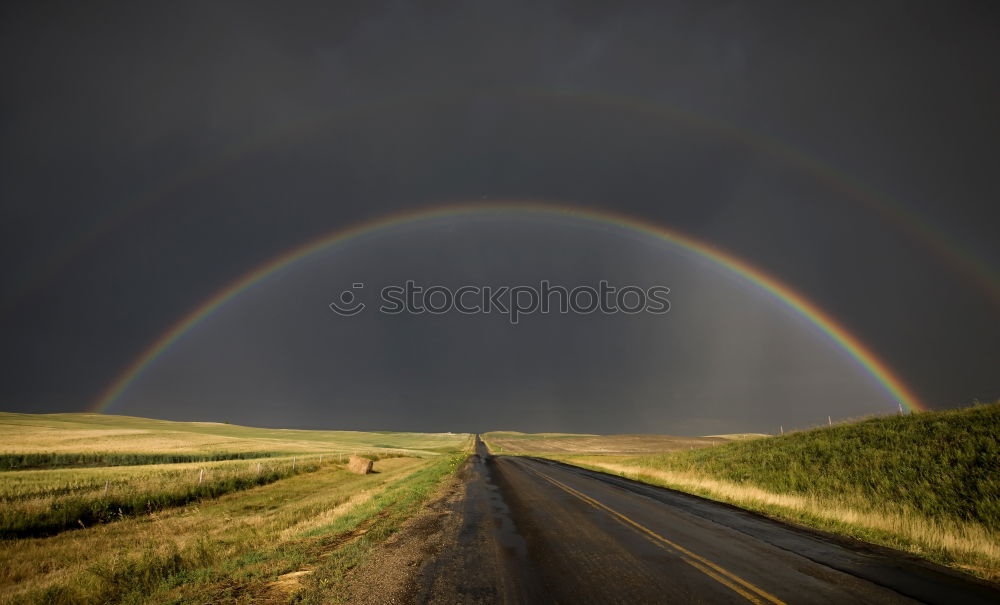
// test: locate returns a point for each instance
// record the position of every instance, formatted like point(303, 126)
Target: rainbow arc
point(851, 344)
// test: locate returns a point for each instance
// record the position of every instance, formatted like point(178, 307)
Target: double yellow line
point(721, 575)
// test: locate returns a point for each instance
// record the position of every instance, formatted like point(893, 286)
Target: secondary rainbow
point(949, 250)
point(827, 324)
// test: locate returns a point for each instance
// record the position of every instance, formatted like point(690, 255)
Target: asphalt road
point(535, 531)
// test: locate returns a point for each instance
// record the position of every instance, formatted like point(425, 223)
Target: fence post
point(201, 475)
point(829, 420)
point(782, 428)
point(293, 463)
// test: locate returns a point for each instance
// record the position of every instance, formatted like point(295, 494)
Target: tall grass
point(43, 460)
point(943, 465)
point(40, 503)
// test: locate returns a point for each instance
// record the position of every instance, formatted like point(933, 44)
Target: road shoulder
point(389, 576)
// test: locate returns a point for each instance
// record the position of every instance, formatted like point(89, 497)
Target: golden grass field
point(51, 433)
point(514, 443)
point(283, 525)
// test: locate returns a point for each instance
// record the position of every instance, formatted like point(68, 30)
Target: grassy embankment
point(234, 534)
point(926, 483)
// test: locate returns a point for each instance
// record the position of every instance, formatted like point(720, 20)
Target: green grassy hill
point(941, 464)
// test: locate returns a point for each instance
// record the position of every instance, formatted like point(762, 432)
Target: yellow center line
point(712, 570)
point(708, 572)
point(721, 580)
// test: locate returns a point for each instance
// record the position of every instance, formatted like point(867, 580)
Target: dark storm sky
point(153, 153)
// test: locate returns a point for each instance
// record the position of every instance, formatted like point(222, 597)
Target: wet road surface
point(535, 531)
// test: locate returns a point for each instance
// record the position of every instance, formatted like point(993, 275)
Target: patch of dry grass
point(738, 436)
point(329, 515)
point(562, 443)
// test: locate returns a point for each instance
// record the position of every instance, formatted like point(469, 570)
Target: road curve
point(537, 531)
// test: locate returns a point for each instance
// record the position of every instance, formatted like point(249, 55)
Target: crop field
point(113, 509)
point(99, 434)
point(927, 483)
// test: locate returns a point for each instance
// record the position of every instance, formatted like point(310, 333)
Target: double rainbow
point(806, 308)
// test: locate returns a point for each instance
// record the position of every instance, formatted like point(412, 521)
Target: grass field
point(74, 434)
point(39, 503)
point(104, 509)
point(258, 504)
point(928, 483)
point(541, 444)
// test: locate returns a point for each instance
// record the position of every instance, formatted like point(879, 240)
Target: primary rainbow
point(827, 324)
